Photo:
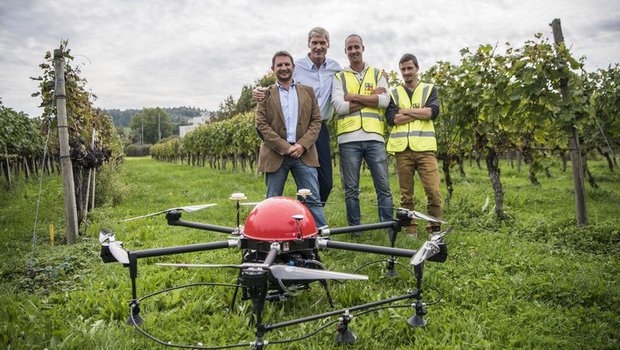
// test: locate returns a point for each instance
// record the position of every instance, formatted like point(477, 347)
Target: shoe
point(411, 231)
point(356, 234)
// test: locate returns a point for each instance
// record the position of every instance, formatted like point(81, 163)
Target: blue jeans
point(305, 177)
point(351, 155)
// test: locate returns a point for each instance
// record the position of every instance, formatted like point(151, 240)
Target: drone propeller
point(189, 209)
point(283, 272)
point(412, 214)
point(107, 239)
point(430, 248)
point(119, 253)
point(427, 250)
point(417, 215)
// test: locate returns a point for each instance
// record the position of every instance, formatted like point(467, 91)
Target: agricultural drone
point(280, 246)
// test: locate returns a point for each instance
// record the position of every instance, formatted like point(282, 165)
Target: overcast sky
point(168, 53)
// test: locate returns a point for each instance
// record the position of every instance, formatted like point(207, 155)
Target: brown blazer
point(270, 124)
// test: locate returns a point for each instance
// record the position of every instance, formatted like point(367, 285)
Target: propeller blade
point(105, 235)
point(285, 272)
point(143, 216)
point(191, 208)
point(120, 254)
point(417, 215)
point(281, 272)
point(188, 208)
point(201, 265)
point(428, 249)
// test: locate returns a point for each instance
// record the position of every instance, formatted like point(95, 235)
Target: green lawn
point(535, 281)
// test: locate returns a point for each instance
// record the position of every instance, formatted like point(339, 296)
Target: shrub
point(137, 150)
point(110, 189)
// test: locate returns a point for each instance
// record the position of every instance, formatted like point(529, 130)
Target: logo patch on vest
point(368, 87)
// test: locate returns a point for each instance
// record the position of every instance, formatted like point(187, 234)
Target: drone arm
point(325, 243)
point(357, 228)
point(273, 253)
point(147, 253)
point(199, 225)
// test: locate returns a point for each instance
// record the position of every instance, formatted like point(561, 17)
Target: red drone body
point(280, 219)
point(280, 244)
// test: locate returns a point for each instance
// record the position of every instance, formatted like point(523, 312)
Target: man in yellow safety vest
point(412, 109)
point(359, 96)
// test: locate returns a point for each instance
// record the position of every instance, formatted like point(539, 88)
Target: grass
point(534, 281)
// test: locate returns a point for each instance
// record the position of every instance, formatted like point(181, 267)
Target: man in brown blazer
point(289, 121)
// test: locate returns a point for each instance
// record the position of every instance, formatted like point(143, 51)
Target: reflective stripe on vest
point(419, 135)
point(370, 119)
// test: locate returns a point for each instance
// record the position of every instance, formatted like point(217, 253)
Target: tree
point(151, 125)
point(245, 103)
point(92, 136)
point(603, 123)
point(226, 108)
point(229, 108)
point(453, 128)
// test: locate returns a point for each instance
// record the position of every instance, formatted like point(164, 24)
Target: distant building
point(194, 123)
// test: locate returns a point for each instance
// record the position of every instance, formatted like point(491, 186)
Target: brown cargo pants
point(425, 163)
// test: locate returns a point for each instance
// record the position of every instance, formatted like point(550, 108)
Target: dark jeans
point(323, 149)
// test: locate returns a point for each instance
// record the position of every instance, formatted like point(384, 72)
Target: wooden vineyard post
point(580, 202)
point(63, 139)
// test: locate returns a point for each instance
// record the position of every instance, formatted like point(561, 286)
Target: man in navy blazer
point(289, 121)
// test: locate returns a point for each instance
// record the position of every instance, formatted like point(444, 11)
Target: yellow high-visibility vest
point(419, 135)
point(370, 119)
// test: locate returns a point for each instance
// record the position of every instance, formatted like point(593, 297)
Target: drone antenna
point(238, 197)
point(304, 193)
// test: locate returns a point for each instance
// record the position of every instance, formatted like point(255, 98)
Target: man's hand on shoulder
point(258, 93)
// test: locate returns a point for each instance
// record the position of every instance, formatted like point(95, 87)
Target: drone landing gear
point(234, 297)
point(392, 262)
point(390, 266)
point(134, 318)
point(327, 293)
point(417, 320)
point(257, 288)
point(345, 335)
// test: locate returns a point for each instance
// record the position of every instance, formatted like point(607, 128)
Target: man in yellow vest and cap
point(412, 109)
point(359, 96)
